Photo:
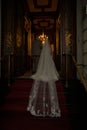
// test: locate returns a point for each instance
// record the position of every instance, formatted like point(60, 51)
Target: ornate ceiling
point(43, 13)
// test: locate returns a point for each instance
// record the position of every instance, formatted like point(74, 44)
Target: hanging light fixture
point(42, 38)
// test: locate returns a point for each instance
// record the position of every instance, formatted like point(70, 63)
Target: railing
point(80, 74)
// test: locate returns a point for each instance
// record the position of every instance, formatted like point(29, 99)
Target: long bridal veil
point(43, 98)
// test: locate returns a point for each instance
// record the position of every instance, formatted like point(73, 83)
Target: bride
point(43, 98)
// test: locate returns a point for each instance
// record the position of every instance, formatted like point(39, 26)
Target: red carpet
point(13, 114)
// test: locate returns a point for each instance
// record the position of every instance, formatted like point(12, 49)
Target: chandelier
point(42, 38)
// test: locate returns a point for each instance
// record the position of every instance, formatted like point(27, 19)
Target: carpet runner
point(14, 114)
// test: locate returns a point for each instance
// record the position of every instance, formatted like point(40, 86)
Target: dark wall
point(68, 26)
point(13, 39)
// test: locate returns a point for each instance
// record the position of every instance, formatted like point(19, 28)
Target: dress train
point(43, 98)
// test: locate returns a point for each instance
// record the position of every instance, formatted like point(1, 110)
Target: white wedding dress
point(43, 98)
